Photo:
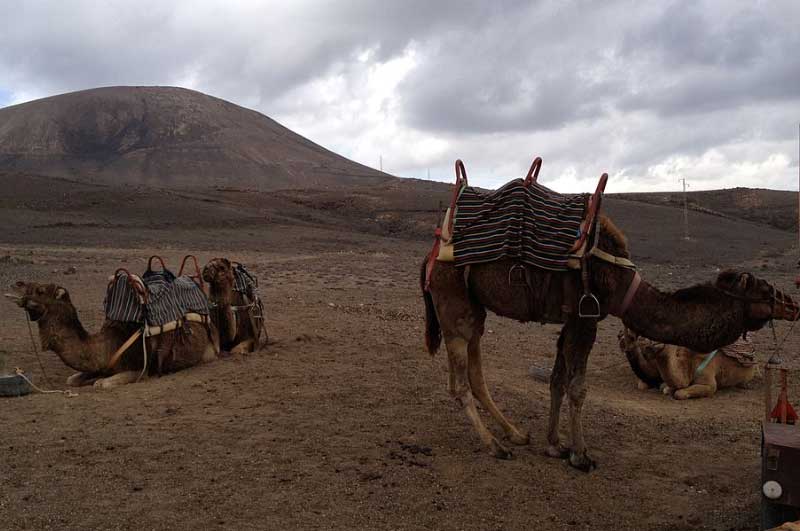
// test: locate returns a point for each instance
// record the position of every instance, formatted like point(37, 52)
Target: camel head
point(627, 339)
point(219, 273)
point(763, 301)
point(39, 299)
point(632, 344)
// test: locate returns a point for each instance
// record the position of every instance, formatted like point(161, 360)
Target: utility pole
point(685, 211)
point(380, 162)
point(798, 190)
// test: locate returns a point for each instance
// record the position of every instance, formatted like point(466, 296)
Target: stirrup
point(517, 279)
point(592, 308)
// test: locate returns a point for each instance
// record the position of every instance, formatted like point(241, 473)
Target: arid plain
point(344, 421)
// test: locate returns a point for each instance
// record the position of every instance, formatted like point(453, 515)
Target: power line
point(685, 211)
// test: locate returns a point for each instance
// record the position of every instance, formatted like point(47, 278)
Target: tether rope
point(36, 350)
point(67, 393)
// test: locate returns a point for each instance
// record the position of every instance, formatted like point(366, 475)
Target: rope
point(703, 364)
point(67, 393)
point(144, 349)
point(36, 351)
point(779, 345)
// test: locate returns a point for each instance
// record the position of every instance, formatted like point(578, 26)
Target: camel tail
point(433, 333)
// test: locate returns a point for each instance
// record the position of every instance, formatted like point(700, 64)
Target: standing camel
point(702, 317)
point(93, 355)
point(238, 312)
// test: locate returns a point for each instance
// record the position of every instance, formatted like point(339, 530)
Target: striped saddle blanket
point(244, 282)
point(530, 223)
point(155, 298)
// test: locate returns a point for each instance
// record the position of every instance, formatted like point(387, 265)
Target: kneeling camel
point(682, 372)
point(61, 331)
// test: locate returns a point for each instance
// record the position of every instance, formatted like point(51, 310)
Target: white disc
point(772, 490)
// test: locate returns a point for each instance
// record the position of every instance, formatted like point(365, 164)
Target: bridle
point(776, 299)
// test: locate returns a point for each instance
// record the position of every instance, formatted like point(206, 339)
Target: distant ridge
point(166, 136)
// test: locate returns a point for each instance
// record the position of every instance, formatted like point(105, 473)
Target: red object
point(533, 173)
point(783, 412)
point(437, 238)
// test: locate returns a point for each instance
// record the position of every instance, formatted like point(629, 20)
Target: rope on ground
point(67, 393)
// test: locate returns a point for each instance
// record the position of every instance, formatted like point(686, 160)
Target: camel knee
point(121, 378)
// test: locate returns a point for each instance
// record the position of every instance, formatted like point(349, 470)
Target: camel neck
point(221, 294)
point(70, 341)
point(700, 318)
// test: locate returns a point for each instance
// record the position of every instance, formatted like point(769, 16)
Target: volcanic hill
point(167, 137)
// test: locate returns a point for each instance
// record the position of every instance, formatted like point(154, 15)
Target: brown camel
point(678, 371)
point(702, 317)
point(239, 317)
point(61, 331)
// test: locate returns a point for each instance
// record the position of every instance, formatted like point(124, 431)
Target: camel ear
point(744, 282)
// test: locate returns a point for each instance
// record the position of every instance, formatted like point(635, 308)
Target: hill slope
point(777, 208)
point(165, 136)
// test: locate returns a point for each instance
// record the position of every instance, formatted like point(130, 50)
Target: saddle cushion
point(742, 351)
point(530, 223)
point(168, 298)
point(244, 282)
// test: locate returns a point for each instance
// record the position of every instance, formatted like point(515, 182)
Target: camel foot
point(102, 383)
point(681, 394)
point(80, 379)
point(641, 386)
point(582, 462)
point(557, 451)
point(500, 451)
point(665, 389)
point(520, 440)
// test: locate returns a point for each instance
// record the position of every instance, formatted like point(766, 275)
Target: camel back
point(156, 298)
point(530, 223)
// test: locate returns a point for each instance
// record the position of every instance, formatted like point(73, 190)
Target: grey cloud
point(623, 82)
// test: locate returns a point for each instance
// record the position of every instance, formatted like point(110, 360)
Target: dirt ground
point(343, 422)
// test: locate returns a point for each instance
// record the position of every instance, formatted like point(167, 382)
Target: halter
point(775, 299)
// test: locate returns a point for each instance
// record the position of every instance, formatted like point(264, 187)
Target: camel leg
point(80, 379)
point(578, 342)
point(698, 390)
point(244, 347)
point(558, 386)
point(120, 378)
point(481, 392)
point(460, 390)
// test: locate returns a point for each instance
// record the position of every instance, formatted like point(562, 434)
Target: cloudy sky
point(649, 92)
